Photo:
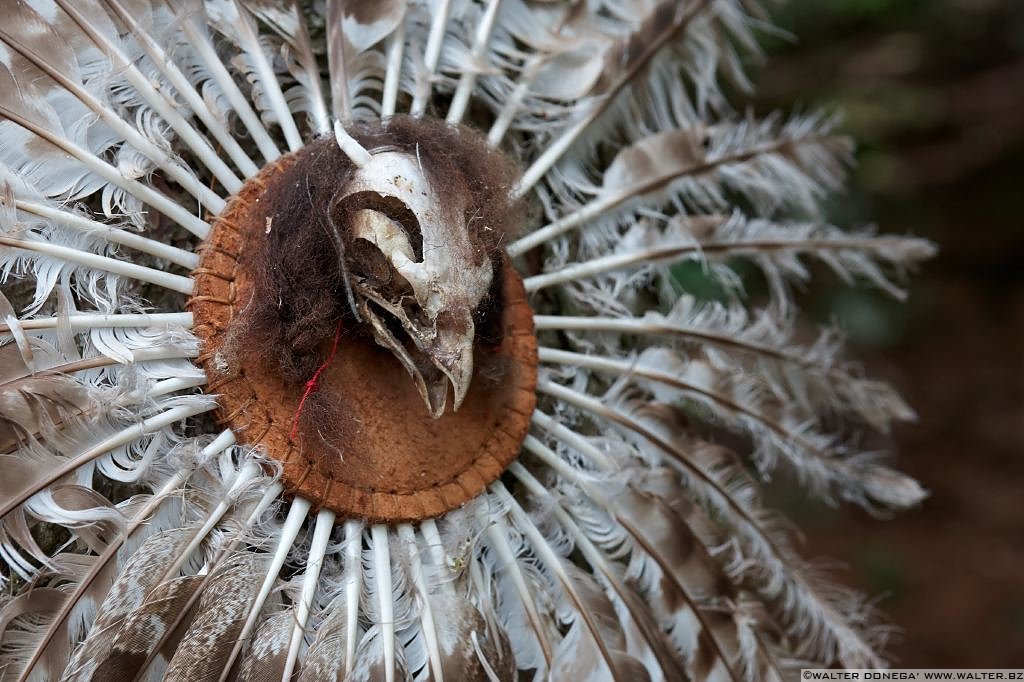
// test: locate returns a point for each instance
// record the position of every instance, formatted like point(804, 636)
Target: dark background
point(933, 92)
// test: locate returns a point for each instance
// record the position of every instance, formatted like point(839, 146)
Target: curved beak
point(435, 358)
point(455, 360)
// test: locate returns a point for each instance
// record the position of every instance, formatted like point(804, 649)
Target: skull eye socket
point(369, 263)
point(344, 210)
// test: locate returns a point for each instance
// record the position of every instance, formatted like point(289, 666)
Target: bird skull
point(417, 276)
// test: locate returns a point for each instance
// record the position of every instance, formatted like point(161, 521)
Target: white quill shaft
point(80, 321)
point(144, 193)
point(599, 459)
point(248, 472)
point(142, 273)
point(132, 136)
point(122, 437)
point(393, 72)
point(206, 52)
point(178, 123)
point(385, 598)
point(353, 586)
point(511, 105)
point(310, 580)
point(186, 90)
point(292, 525)
point(115, 235)
point(222, 442)
point(467, 81)
point(431, 55)
point(497, 533)
point(554, 564)
point(250, 42)
point(435, 544)
point(408, 537)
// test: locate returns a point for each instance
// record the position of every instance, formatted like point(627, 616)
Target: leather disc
point(384, 458)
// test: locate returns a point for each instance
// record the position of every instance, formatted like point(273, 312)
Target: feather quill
point(32, 405)
point(624, 61)
point(772, 165)
point(507, 561)
point(761, 344)
point(152, 109)
point(353, 27)
point(152, 43)
point(557, 566)
point(327, 658)
point(235, 22)
point(823, 465)
point(310, 581)
point(288, 22)
point(667, 658)
point(822, 627)
point(373, 663)
point(60, 162)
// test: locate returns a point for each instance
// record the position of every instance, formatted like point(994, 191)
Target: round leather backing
point(386, 459)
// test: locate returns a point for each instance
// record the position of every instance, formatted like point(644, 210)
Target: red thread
point(311, 385)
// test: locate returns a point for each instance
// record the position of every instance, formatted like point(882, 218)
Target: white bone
point(448, 282)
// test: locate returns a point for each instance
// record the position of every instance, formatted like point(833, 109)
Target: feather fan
point(276, 395)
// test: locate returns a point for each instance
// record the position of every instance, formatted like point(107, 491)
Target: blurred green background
point(933, 92)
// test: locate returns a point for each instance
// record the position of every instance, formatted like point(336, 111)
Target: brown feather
point(645, 620)
point(128, 593)
point(142, 629)
point(338, 48)
point(325, 659)
point(19, 617)
point(369, 665)
point(33, 406)
point(468, 647)
point(30, 403)
point(578, 656)
point(631, 54)
point(498, 649)
point(268, 651)
point(664, 154)
point(223, 609)
point(690, 575)
point(353, 26)
point(40, 600)
point(673, 532)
